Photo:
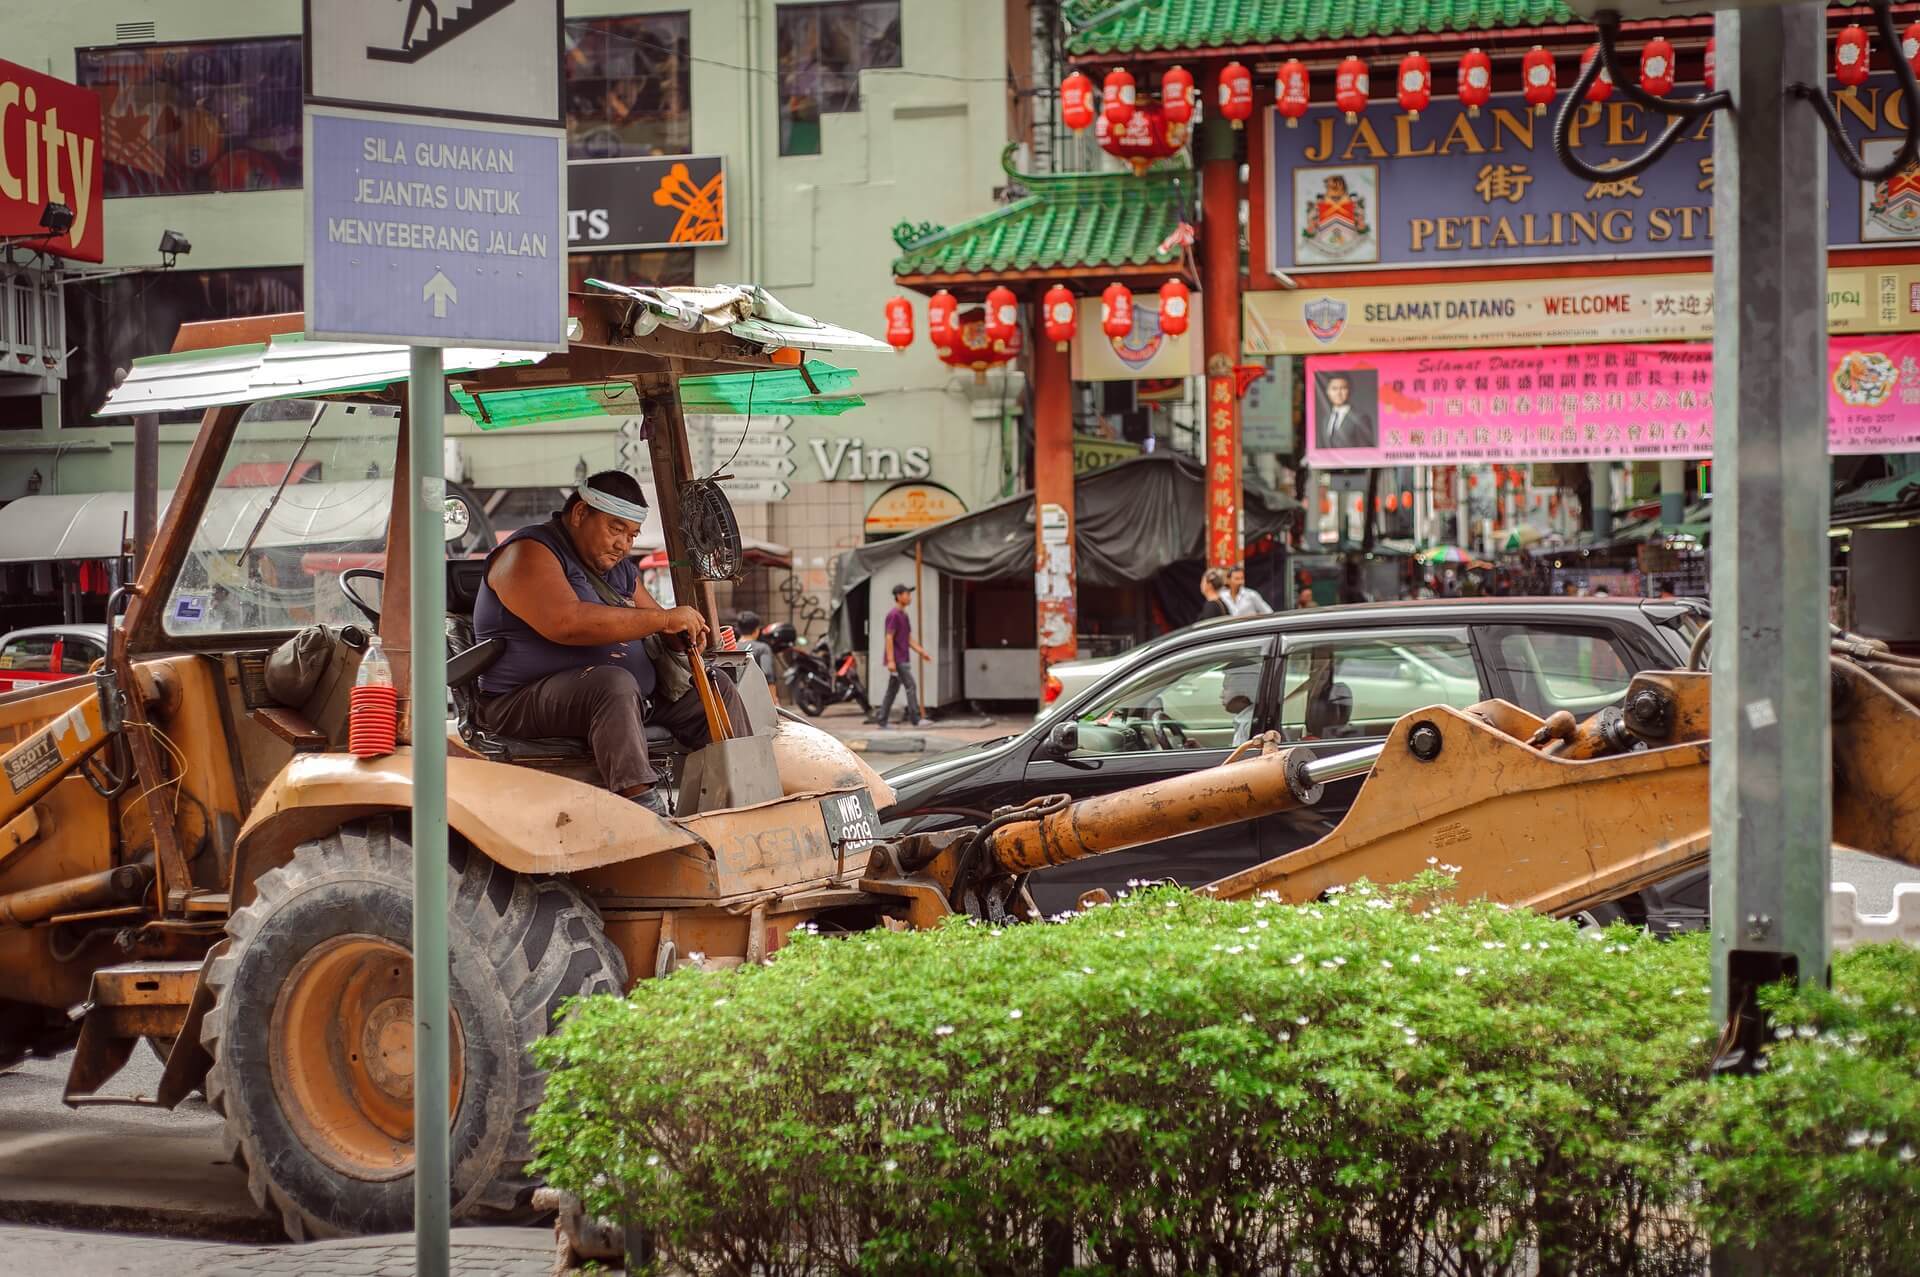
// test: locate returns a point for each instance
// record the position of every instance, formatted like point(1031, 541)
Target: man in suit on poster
point(1347, 418)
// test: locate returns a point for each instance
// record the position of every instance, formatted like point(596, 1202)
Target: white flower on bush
point(1433, 860)
point(653, 1159)
point(1856, 1138)
point(1388, 965)
point(1414, 956)
point(1906, 1153)
point(1296, 959)
point(1014, 1014)
point(1463, 972)
point(889, 1166)
point(1086, 970)
point(1301, 1020)
point(943, 1031)
point(1045, 1110)
point(1246, 1017)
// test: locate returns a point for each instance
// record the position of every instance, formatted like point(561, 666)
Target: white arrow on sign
point(441, 292)
point(760, 467)
point(756, 489)
point(731, 426)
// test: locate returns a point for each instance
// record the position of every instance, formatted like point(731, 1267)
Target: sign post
point(435, 217)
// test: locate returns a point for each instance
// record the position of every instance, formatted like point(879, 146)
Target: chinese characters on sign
point(1618, 403)
point(1223, 470)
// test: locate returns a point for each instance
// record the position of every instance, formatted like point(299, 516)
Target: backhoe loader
point(191, 857)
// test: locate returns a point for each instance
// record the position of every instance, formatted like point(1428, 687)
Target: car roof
point(1487, 610)
point(96, 632)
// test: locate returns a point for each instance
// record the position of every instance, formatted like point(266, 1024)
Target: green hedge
point(1174, 1084)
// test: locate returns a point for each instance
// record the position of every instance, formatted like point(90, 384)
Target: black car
point(1339, 675)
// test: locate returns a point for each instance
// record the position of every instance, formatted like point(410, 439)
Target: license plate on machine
point(851, 819)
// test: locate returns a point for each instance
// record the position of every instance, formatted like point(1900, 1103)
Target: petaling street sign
point(1556, 311)
point(1579, 403)
point(1453, 189)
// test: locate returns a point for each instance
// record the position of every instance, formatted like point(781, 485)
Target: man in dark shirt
point(749, 626)
point(899, 649)
point(566, 598)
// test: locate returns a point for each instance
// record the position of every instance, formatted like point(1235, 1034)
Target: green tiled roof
point(1066, 220)
point(1216, 24)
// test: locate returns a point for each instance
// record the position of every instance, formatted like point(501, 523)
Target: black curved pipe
point(1681, 111)
point(1822, 104)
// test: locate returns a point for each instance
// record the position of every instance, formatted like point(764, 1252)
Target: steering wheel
point(1166, 728)
point(346, 582)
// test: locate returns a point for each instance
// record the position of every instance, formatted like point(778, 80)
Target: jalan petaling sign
point(1451, 188)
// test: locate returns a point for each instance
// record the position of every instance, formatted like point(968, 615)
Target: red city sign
point(49, 154)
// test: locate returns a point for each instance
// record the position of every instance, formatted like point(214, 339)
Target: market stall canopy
point(90, 525)
point(1131, 520)
point(288, 366)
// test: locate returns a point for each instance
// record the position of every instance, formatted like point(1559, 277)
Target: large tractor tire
point(312, 1039)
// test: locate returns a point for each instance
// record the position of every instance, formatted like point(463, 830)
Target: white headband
point(607, 503)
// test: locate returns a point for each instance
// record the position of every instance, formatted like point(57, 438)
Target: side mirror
point(1063, 738)
point(458, 518)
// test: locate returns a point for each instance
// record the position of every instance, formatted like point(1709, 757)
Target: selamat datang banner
point(1582, 403)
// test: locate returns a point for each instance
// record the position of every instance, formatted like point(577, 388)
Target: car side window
point(1356, 686)
point(32, 654)
point(78, 655)
point(1205, 699)
point(1580, 670)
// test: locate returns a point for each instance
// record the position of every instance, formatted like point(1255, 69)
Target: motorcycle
point(814, 678)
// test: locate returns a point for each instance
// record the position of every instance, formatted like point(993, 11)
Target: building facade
point(783, 140)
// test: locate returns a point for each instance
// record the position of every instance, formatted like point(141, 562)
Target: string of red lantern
point(1174, 307)
point(1116, 310)
point(1852, 56)
point(1350, 87)
point(1076, 101)
point(942, 327)
point(899, 323)
point(1176, 94)
point(1003, 314)
point(1117, 96)
point(1416, 84)
point(1057, 312)
point(1656, 66)
point(1475, 80)
point(1602, 87)
point(1538, 78)
point(1236, 93)
point(1292, 90)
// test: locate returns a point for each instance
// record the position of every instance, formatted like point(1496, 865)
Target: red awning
point(266, 474)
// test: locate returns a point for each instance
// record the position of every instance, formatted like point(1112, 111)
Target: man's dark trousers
point(603, 704)
point(901, 676)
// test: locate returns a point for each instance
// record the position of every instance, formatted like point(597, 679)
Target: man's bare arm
point(532, 584)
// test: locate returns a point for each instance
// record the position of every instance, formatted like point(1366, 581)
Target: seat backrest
point(464, 577)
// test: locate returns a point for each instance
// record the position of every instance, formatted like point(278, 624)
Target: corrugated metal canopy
point(88, 525)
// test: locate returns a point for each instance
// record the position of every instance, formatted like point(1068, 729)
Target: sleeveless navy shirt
point(530, 657)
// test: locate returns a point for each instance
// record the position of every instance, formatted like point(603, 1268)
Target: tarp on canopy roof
point(1131, 521)
point(782, 390)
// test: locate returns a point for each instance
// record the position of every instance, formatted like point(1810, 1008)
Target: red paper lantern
point(1326, 505)
point(1476, 80)
point(1116, 96)
point(1656, 67)
point(1175, 302)
point(1003, 313)
point(1116, 310)
point(1393, 502)
point(972, 348)
point(1709, 60)
point(1416, 84)
point(1236, 93)
point(1076, 101)
point(943, 329)
point(1350, 87)
point(1291, 90)
point(899, 323)
point(1176, 94)
point(1146, 136)
point(1602, 87)
point(1851, 56)
point(1909, 43)
point(1057, 315)
point(1538, 78)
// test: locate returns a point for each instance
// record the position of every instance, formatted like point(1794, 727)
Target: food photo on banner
point(1595, 403)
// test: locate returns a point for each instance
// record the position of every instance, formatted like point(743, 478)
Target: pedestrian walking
point(749, 627)
point(1242, 599)
point(900, 650)
point(1213, 588)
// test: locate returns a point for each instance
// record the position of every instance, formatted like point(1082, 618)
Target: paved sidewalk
point(950, 731)
point(477, 1252)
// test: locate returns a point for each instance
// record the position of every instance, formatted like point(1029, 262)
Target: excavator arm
point(1551, 814)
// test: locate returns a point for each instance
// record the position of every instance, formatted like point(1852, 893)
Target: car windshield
point(303, 496)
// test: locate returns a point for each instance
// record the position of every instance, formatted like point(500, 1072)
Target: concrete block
point(1851, 927)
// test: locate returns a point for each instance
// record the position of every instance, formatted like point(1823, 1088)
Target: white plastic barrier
point(1851, 927)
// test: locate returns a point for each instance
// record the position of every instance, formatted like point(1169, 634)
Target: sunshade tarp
point(1131, 521)
point(780, 391)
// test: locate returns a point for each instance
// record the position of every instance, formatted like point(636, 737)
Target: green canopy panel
point(783, 391)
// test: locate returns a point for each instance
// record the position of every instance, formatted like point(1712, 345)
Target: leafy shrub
point(1168, 1084)
point(1815, 1162)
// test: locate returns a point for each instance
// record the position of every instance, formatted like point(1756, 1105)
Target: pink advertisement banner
point(1579, 403)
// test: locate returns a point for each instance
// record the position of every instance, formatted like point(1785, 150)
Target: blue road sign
point(435, 234)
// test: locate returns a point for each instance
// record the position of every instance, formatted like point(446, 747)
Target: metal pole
point(1673, 493)
point(1772, 743)
point(146, 485)
point(1462, 519)
point(426, 422)
point(1600, 478)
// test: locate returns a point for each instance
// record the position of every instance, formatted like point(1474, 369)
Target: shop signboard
point(1455, 189)
point(655, 201)
point(1555, 311)
point(908, 507)
point(1145, 354)
point(1266, 410)
point(50, 153)
point(1595, 403)
point(1090, 453)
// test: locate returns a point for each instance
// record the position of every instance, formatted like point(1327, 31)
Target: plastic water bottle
point(373, 717)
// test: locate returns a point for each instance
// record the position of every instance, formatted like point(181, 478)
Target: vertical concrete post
point(1673, 493)
point(1056, 612)
point(1600, 478)
point(1772, 744)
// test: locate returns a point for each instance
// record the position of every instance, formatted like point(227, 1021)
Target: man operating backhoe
point(566, 599)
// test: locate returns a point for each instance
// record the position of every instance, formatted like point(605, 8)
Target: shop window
point(628, 89)
point(1361, 686)
point(823, 48)
point(654, 267)
point(1581, 671)
point(113, 321)
point(182, 119)
point(1205, 699)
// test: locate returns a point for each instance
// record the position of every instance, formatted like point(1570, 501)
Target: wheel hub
point(342, 1055)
